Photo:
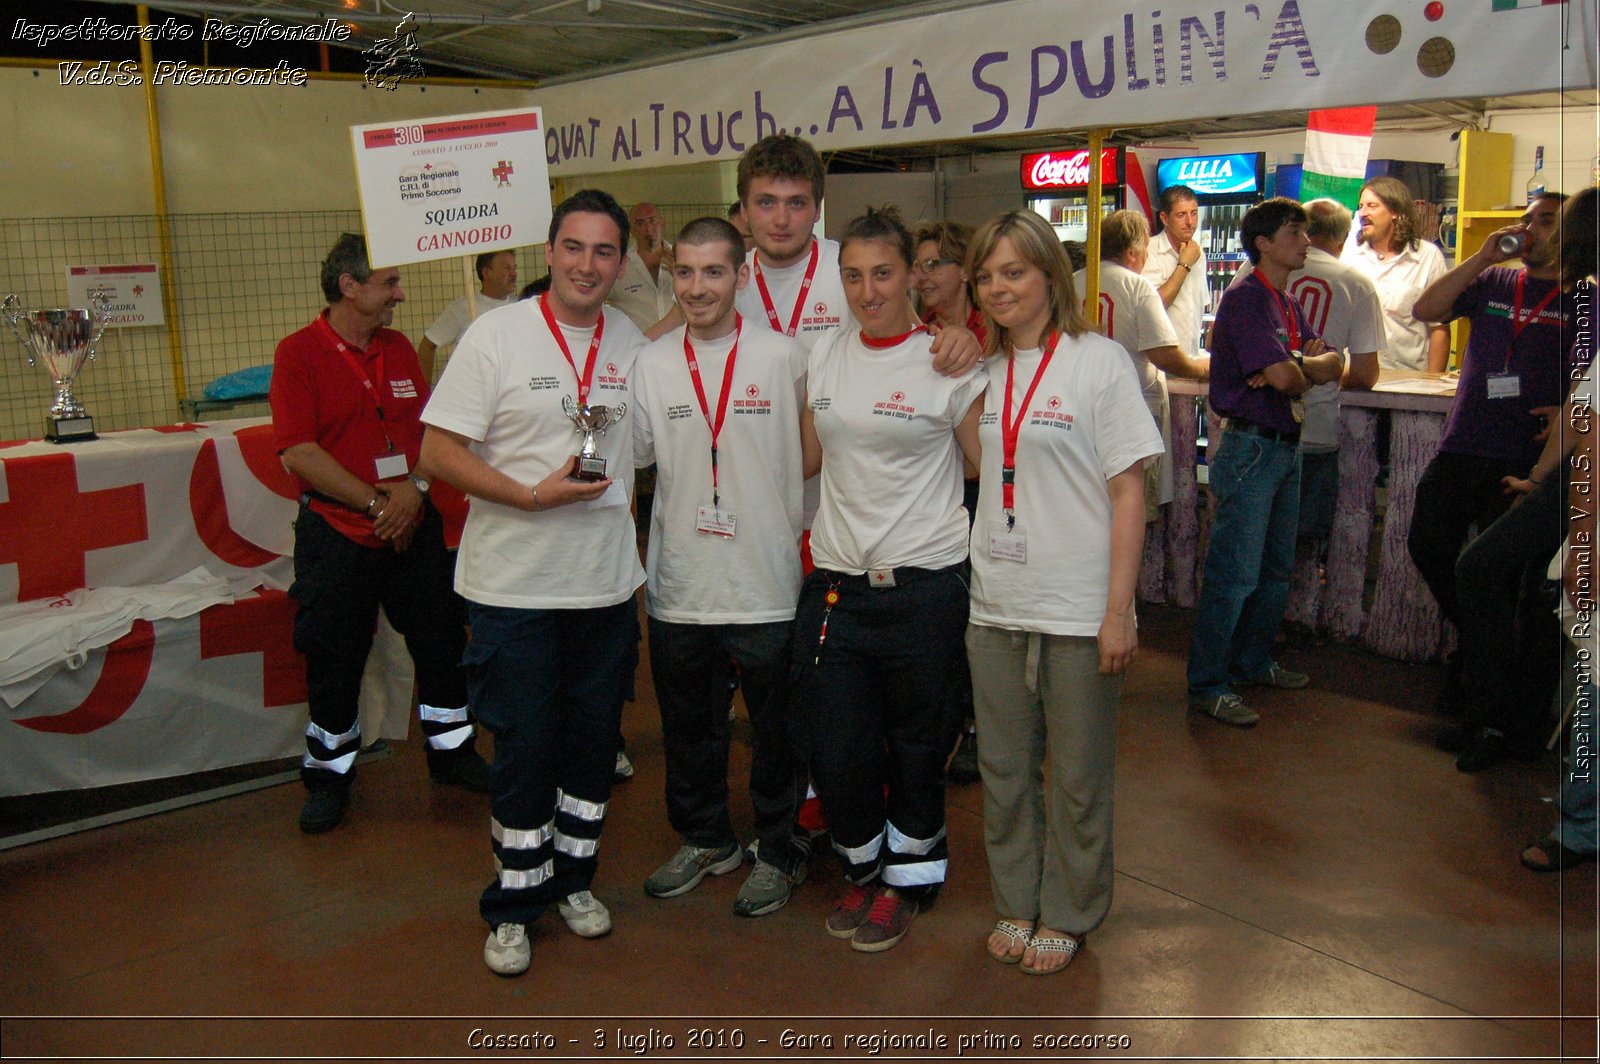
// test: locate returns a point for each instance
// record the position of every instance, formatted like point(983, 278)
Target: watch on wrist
point(422, 483)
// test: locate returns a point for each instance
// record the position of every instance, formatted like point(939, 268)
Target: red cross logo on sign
point(502, 174)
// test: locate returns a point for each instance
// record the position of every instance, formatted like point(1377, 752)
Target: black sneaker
point(460, 769)
point(964, 765)
point(323, 810)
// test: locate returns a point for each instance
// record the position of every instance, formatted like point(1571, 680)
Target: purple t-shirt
point(1250, 334)
point(1502, 428)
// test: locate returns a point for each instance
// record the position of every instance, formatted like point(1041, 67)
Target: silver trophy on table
point(63, 339)
point(591, 421)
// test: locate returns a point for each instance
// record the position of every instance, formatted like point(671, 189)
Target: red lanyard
point(587, 375)
point(799, 300)
point(1011, 429)
point(1290, 324)
point(722, 401)
point(361, 374)
point(1518, 322)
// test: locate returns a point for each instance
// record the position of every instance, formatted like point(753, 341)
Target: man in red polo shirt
point(346, 394)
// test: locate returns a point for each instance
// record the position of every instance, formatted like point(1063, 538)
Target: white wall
point(85, 151)
point(849, 195)
point(1569, 137)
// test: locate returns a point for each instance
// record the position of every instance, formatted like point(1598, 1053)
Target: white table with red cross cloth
point(172, 696)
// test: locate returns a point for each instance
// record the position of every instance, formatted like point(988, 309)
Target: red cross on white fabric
point(49, 526)
point(265, 626)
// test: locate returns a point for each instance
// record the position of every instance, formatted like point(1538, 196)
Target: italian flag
point(1512, 5)
point(1337, 144)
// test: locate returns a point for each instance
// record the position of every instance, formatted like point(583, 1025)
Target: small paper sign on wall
point(457, 185)
point(134, 290)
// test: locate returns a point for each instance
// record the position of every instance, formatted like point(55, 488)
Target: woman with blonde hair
point(1055, 558)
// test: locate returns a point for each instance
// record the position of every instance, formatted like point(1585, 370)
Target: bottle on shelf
point(1536, 184)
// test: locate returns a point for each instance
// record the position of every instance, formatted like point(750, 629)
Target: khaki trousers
point(1038, 698)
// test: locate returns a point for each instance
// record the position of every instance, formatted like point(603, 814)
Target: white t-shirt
point(1087, 423)
point(454, 319)
point(1342, 305)
point(1188, 311)
point(694, 577)
point(504, 388)
point(891, 468)
point(824, 307)
point(1400, 280)
point(825, 311)
point(643, 297)
point(1131, 314)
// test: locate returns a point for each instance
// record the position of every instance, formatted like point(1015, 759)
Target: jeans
point(548, 684)
point(1256, 483)
point(692, 665)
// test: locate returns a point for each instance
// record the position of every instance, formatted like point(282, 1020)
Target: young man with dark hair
point(548, 565)
point(717, 408)
point(1513, 380)
point(1264, 355)
point(346, 395)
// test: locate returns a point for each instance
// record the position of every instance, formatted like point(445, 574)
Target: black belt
point(872, 578)
point(1250, 428)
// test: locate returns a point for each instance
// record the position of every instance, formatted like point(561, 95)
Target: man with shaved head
point(644, 291)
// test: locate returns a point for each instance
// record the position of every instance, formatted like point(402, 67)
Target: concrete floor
point(1323, 886)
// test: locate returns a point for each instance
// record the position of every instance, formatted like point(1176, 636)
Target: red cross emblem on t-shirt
point(752, 391)
point(898, 397)
point(1055, 402)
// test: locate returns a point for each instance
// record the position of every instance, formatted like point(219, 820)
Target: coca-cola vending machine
point(1056, 186)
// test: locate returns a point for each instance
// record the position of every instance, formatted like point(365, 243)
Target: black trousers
point(548, 684)
point(1511, 642)
point(1456, 492)
point(338, 587)
point(692, 665)
point(878, 713)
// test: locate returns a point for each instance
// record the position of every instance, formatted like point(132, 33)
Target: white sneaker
point(584, 914)
point(623, 769)
point(506, 951)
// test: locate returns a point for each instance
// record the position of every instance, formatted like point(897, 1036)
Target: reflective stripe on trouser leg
point(577, 826)
point(522, 857)
point(329, 752)
point(915, 862)
point(445, 729)
point(861, 862)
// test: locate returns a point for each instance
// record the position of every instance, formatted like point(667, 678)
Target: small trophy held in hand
point(591, 421)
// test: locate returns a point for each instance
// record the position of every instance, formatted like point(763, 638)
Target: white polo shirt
point(1188, 310)
point(1400, 279)
point(644, 298)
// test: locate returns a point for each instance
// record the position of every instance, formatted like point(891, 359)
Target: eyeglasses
point(929, 265)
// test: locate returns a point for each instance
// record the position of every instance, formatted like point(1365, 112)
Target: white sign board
point(1029, 66)
point(458, 185)
point(134, 290)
